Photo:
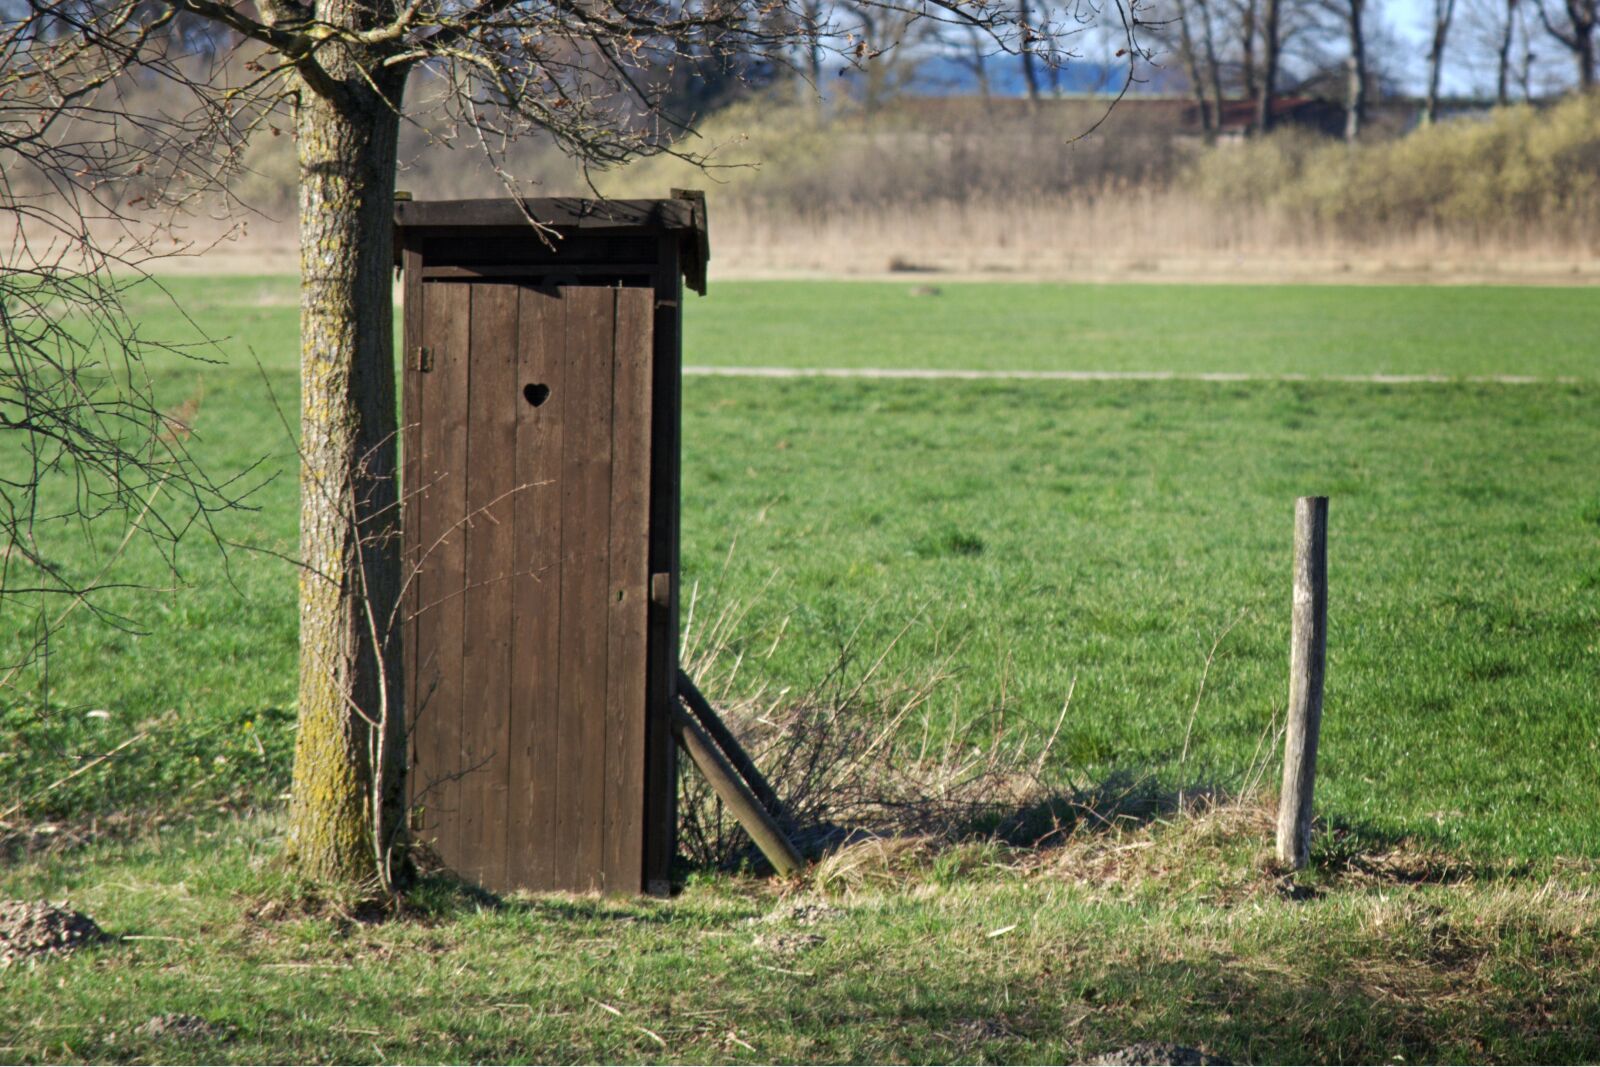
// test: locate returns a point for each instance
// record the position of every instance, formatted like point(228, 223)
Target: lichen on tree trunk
point(347, 806)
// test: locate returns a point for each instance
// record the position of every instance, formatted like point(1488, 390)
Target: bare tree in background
point(969, 50)
point(1271, 42)
point(811, 21)
point(1208, 106)
point(1355, 100)
point(592, 76)
point(887, 43)
point(1574, 27)
point(90, 461)
point(1443, 14)
point(1204, 13)
point(1503, 39)
point(1504, 34)
point(1486, 37)
point(1245, 33)
point(1030, 77)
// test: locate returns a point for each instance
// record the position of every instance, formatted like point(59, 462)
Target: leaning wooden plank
point(713, 725)
point(761, 827)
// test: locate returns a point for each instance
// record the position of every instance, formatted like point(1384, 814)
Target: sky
point(1405, 24)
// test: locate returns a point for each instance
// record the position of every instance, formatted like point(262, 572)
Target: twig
point(1038, 767)
point(786, 970)
point(1199, 692)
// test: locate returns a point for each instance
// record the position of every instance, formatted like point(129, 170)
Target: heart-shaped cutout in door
point(535, 393)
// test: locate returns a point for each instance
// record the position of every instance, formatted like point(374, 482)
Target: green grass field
point(1289, 329)
point(1033, 533)
point(1105, 531)
point(978, 955)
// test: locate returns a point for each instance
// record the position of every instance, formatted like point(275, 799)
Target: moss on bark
point(347, 807)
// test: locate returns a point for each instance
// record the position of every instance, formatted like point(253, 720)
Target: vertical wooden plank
point(586, 506)
point(492, 397)
point(628, 591)
point(441, 580)
point(536, 607)
point(661, 775)
point(411, 501)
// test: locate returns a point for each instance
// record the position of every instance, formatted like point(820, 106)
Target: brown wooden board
point(410, 508)
point(586, 505)
point(490, 541)
point(661, 750)
point(536, 606)
point(440, 551)
point(623, 860)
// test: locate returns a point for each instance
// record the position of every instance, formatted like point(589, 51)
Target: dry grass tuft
point(874, 863)
point(1221, 852)
point(880, 793)
point(858, 760)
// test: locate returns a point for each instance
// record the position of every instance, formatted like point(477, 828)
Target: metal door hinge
point(424, 358)
point(661, 590)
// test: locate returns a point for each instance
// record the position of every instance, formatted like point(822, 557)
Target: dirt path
point(1113, 376)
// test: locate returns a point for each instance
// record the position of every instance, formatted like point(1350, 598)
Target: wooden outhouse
point(540, 485)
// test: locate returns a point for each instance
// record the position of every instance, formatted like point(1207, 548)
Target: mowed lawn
point(1029, 533)
point(1244, 329)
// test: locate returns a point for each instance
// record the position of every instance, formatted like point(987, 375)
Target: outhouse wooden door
point(528, 509)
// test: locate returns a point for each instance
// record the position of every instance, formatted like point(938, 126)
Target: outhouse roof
point(683, 214)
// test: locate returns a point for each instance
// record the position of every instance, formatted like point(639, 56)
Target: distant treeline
point(1496, 173)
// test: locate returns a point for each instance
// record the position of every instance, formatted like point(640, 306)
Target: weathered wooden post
point(1307, 662)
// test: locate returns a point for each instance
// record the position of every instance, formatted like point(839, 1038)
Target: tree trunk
point(1355, 106)
point(1247, 47)
point(1583, 25)
point(347, 810)
point(980, 66)
point(1502, 81)
point(1269, 66)
point(1029, 78)
point(1576, 37)
point(1191, 65)
point(1443, 11)
point(813, 18)
point(1525, 60)
point(1213, 68)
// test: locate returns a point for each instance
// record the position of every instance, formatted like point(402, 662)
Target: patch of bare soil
point(803, 913)
point(785, 942)
point(1159, 1052)
point(177, 1026)
point(31, 929)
